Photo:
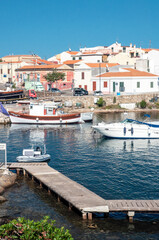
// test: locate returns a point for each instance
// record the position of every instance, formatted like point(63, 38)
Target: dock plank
point(74, 193)
point(80, 197)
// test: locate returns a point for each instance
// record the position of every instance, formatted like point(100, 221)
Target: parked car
point(98, 93)
point(85, 92)
point(80, 91)
point(77, 92)
point(55, 90)
point(32, 94)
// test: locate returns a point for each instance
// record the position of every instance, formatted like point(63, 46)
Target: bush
point(117, 106)
point(143, 104)
point(30, 230)
point(114, 99)
point(101, 102)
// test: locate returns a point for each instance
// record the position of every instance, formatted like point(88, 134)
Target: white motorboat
point(129, 129)
point(87, 116)
point(31, 155)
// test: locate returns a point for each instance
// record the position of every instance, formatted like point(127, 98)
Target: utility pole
point(150, 44)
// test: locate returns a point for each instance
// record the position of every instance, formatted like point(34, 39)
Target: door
point(85, 87)
point(113, 86)
point(94, 86)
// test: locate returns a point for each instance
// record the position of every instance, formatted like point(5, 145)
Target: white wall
point(153, 60)
point(78, 76)
point(130, 84)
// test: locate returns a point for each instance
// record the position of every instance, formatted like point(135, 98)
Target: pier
point(78, 197)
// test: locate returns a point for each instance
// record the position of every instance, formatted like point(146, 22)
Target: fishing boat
point(11, 94)
point(44, 113)
point(31, 155)
point(129, 129)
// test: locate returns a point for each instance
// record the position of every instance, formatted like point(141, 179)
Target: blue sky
point(48, 27)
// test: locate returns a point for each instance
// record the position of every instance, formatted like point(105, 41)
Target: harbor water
point(113, 169)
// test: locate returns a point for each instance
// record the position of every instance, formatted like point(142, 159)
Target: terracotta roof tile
point(71, 61)
point(130, 73)
point(97, 65)
point(72, 52)
point(42, 66)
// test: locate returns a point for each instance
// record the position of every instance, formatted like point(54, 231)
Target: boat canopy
point(127, 120)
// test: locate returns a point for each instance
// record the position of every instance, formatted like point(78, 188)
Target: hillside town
point(113, 69)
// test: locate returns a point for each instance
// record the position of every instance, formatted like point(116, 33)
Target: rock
point(1, 190)
point(3, 221)
point(2, 199)
point(7, 179)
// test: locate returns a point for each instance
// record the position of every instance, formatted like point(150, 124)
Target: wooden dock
point(77, 196)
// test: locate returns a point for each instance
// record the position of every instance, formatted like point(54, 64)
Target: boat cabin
point(42, 109)
point(31, 152)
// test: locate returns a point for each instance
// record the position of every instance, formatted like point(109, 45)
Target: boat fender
point(60, 120)
point(124, 131)
point(37, 119)
point(132, 130)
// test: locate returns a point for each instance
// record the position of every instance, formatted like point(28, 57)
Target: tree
point(54, 76)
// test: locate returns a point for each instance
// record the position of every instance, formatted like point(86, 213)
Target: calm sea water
point(113, 169)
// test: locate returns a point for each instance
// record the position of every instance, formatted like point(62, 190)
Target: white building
point(83, 73)
point(125, 81)
point(64, 56)
point(149, 62)
point(7, 71)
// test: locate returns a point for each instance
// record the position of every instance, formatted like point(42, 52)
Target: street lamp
point(99, 75)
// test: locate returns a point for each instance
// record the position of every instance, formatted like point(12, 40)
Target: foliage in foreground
point(31, 230)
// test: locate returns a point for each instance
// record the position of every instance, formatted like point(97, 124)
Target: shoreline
point(18, 108)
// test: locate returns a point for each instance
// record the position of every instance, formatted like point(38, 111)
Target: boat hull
point(40, 158)
point(87, 116)
point(129, 131)
point(11, 94)
point(20, 118)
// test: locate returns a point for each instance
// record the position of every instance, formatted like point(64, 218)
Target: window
point(151, 84)
point(105, 84)
point(80, 58)
point(138, 84)
point(82, 75)
point(132, 55)
point(124, 49)
point(73, 58)
point(121, 87)
point(137, 54)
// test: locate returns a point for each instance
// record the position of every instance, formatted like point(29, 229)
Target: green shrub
point(114, 99)
point(101, 102)
point(31, 230)
point(143, 104)
point(117, 106)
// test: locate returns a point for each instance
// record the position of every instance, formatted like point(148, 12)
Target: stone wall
point(88, 101)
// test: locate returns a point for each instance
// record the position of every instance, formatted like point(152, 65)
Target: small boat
point(31, 155)
point(87, 116)
point(11, 94)
point(44, 113)
point(129, 129)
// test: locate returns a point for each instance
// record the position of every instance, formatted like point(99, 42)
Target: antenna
point(150, 44)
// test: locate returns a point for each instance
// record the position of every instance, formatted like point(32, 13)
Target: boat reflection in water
point(128, 145)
